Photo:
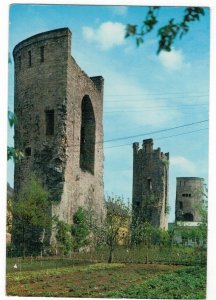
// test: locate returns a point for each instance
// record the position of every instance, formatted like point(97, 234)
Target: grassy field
point(156, 255)
point(69, 278)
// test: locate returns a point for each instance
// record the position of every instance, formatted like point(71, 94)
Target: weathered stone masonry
point(150, 184)
point(189, 195)
point(59, 112)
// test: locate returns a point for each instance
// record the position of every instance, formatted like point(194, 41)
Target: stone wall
point(150, 184)
point(50, 89)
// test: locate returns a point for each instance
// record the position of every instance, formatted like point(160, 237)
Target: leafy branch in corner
point(168, 33)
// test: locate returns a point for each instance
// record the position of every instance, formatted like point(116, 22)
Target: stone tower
point(59, 128)
point(150, 185)
point(189, 191)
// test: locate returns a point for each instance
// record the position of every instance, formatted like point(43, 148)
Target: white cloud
point(108, 35)
point(130, 117)
point(145, 111)
point(184, 164)
point(173, 60)
point(120, 10)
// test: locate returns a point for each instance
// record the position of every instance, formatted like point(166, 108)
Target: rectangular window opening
point(29, 59)
point(138, 204)
point(19, 63)
point(28, 151)
point(42, 53)
point(180, 204)
point(149, 184)
point(50, 122)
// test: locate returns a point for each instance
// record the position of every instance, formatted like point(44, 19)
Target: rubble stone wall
point(49, 89)
point(150, 184)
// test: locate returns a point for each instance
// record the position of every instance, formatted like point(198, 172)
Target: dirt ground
point(96, 280)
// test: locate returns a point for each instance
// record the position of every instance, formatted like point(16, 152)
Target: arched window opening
point(188, 217)
point(87, 136)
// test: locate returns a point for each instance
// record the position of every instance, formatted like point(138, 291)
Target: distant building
point(150, 185)
point(185, 233)
point(188, 212)
point(189, 196)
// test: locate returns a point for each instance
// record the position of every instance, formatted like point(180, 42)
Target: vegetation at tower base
point(80, 229)
point(63, 237)
point(31, 219)
point(149, 205)
point(152, 267)
point(168, 33)
point(10, 198)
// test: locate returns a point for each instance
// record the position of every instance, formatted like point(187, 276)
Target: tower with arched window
point(59, 128)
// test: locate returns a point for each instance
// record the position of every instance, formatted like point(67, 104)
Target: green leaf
point(139, 41)
point(11, 118)
point(131, 29)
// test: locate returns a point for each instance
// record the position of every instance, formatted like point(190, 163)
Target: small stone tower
point(59, 124)
point(189, 194)
point(150, 185)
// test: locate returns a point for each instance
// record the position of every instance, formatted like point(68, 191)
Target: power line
point(158, 93)
point(155, 98)
point(175, 106)
point(144, 134)
point(154, 109)
point(153, 132)
point(166, 137)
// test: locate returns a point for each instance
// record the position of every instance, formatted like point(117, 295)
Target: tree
point(168, 33)
point(31, 218)
point(145, 233)
point(117, 217)
point(63, 237)
point(80, 229)
point(146, 212)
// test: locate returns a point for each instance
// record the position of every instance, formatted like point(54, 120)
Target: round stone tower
point(189, 191)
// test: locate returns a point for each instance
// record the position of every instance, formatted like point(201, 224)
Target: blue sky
point(144, 92)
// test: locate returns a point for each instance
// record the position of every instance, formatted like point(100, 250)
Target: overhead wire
point(161, 138)
point(155, 98)
point(127, 109)
point(146, 134)
point(158, 93)
point(154, 132)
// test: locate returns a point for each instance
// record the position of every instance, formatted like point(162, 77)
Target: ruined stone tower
point(150, 185)
point(59, 128)
point(189, 195)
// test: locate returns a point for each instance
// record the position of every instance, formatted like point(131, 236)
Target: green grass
point(29, 264)
point(89, 275)
point(95, 280)
point(164, 255)
point(188, 283)
point(111, 280)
